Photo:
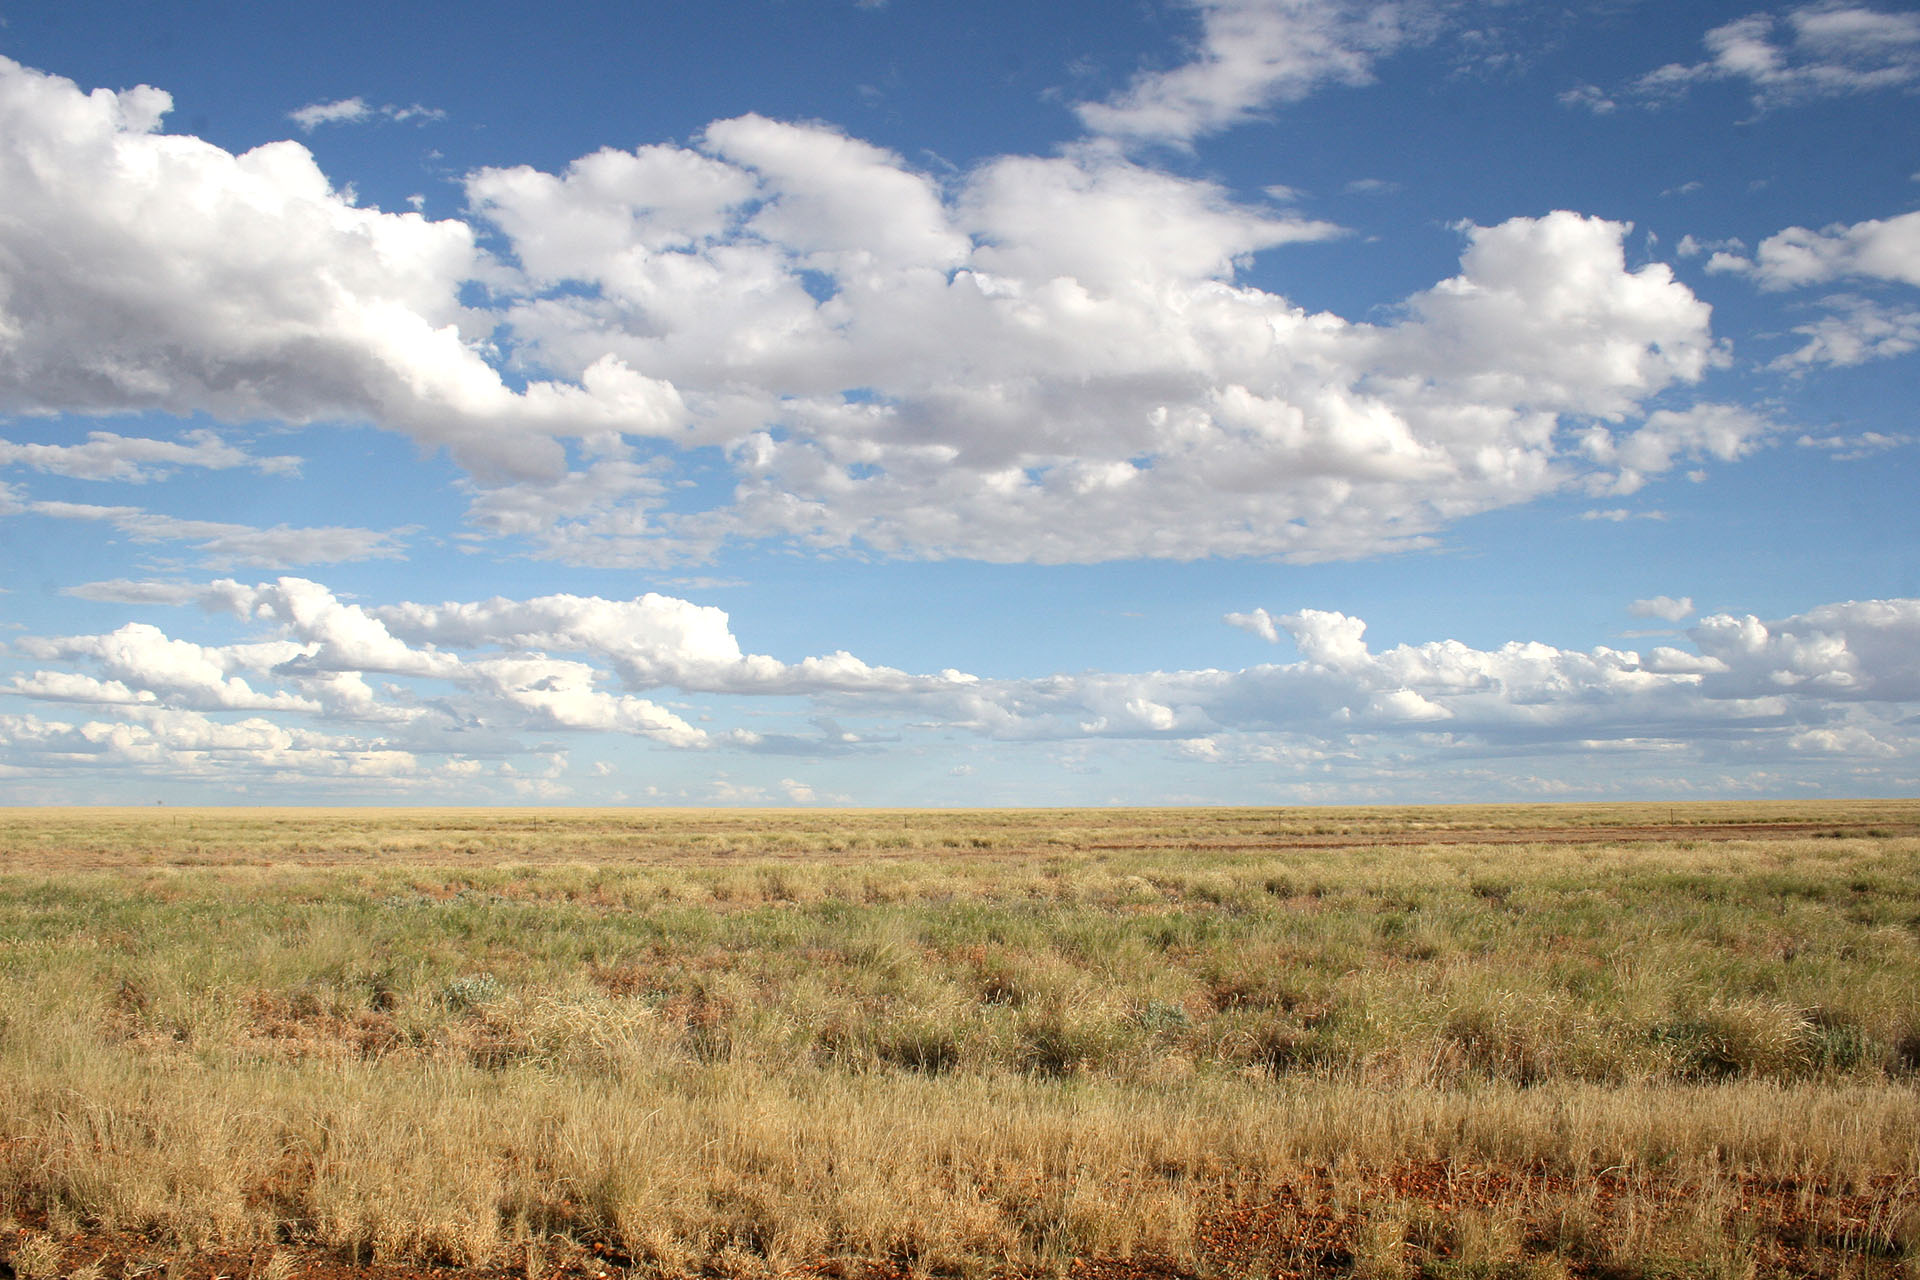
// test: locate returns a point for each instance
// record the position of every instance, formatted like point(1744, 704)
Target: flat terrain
point(1607, 1040)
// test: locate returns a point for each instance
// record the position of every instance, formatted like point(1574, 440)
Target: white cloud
point(190, 745)
point(1853, 448)
point(798, 792)
point(561, 694)
point(341, 111)
point(1853, 331)
point(1848, 740)
point(651, 641)
point(611, 496)
point(1663, 607)
point(1591, 97)
point(1092, 386)
point(222, 545)
point(356, 111)
point(1254, 54)
point(1260, 622)
point(225, 595)
point(135, 460)
point(340, 636)
point(1845, 673)
point(72, 686)
point(1046, 358)
point(150, 271)
point(1620, 515)
point(1876, 249)
point(1690, 246)
point(1669, 437)
point(1815, 51)
point(1545, 316)
point(141, 656)
point(1868, 650)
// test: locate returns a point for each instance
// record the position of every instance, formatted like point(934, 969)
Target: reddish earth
point(1311, 1228)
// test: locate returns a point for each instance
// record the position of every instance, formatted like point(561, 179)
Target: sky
point(898, 403)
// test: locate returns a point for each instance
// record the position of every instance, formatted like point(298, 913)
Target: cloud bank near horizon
point(420, 695)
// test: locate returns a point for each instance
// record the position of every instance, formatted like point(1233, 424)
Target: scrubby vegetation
point(1630, 1041)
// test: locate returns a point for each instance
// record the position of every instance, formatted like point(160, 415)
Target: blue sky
point(1235, 401)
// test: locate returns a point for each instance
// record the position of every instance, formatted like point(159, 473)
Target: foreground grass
point(1400, 1041)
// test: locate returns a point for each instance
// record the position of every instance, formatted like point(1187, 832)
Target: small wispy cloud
point(1259, 622)
point(1853, 331)
point(357, 110)
point(1692, 246)
point(1253, 55)
point(222, 545)
point(1666, 608)
point(1825, 50)
point(1591, 97)
point(136, 460)
point(1854, 448)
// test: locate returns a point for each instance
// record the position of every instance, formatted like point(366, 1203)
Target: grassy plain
point(1624, 1041)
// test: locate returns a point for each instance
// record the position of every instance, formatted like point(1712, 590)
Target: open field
point(1619, 1040)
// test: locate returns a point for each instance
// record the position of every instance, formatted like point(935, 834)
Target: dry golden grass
point(761, 1042)
point(73, 838)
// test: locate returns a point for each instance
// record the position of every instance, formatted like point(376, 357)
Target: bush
point(464, 995)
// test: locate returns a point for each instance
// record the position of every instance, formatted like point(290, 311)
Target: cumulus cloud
point(1854, 329)
point(562, 694)
point(1085, 382)
point(1259, 622)
point(190, 745)
point(1253, 54)
point(149, 271)
point(1669, 437)
point(1814, 51)
point(1045, 358)
point(472, 676)
point(141, 655)
point(651, 641)
point(320, 650)
point(1749, 679)
point(1864, 650)
point(1876, 249)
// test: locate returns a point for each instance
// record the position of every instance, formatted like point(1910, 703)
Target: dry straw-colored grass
point(756, 1042)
